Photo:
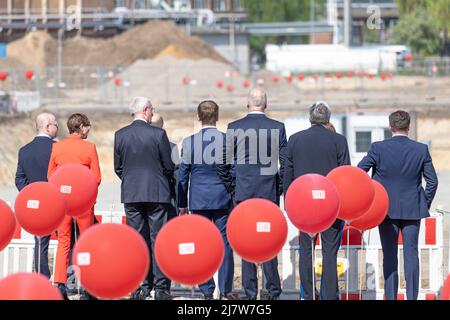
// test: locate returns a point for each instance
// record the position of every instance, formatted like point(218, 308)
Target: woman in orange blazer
point(73, 149)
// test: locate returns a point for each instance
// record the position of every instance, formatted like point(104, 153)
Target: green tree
point(280, 11)
point(418, 31)
point(440, 11)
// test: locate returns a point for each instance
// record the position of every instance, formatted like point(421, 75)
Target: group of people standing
point(217, 171)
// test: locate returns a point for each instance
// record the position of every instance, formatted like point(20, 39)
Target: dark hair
point(399, 121)
point(75, 121)
point(208, 112)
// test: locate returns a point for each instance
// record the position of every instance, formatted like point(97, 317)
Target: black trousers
point(250, 280)
point(331, 241)
point(43, 263)
point(147, 219)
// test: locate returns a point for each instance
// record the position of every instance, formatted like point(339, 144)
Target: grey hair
point(138, 105)
point(319, 113)
point(257, 98)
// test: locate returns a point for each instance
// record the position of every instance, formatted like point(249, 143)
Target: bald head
point(257, 100)
point(157, 120)
point(46, 124)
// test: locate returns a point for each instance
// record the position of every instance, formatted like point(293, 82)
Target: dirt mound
point(142, 42)
point(36, 49)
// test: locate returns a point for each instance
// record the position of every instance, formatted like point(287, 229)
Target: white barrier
point(18, 256)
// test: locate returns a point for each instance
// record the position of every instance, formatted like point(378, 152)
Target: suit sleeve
point(289, 168)
point(165, 154)
point(21, 178)
point(224, 170)
point(184, 172)
point(344, 154)
point(430, 177)
point(370, 160)
point(95, 165)
point(118, 165)
point(52, 165)
point(282, 156)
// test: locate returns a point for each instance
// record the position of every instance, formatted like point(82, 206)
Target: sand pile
point(142, 42)
point(36, 49)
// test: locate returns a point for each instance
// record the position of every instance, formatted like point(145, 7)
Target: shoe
point(250, 298)
point(87, 296)
point(272, 298)
point(140, 294)
point(207, 297)
point(163, 295)
point(63, 290)
point(229, 296)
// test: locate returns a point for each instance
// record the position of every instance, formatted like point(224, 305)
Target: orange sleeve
point(52, 164)
point(95, 166)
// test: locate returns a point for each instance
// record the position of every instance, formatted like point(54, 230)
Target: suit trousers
point(331, 240)
point(389, 231)
point(226, 271)
point(42, 265)
point(64, 238)
point(148, 218)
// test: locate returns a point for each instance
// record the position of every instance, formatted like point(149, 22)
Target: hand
point(183, 211)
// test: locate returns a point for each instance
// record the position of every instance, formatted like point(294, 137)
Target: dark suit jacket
point(201, 156)
point(314, 150)
point(399, 164)
point(142, 160)
point(33, 162)
point(256, 155)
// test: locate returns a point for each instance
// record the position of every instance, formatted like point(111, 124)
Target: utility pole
point(348, 22)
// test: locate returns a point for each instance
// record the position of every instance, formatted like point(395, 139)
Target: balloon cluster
point(112, 260)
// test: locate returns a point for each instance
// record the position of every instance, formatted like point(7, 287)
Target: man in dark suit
point(209, 195)
point(32, 167)
point(399, 164)
point(255, 144)
point(142, 161)
point(158, 121)
point(317, 150)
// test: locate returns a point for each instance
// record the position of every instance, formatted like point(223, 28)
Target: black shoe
point(229, 296)
point(87, 296)
point(207, 297)
point(63, 290)
point(140, 294)
point(163, 295)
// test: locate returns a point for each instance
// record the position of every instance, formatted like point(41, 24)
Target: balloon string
point(313, 258)
point(39, 255)
point(348, 259)
point(360, 273)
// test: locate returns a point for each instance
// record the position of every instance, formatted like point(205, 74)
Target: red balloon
point(29, 74)
point(349, 74)
point(339, 75)
point(78, 186)
point(300, 77)
point(28, 286)
point(356, 191)
point(219, 84)
point(275, 79)
point(230, 88)
point(246, 83)
point(118, 81)
point(189, 249)
point(312, 203)
point(7, 223)
point(3, 75)
point(112, 260)
point(289, 78)
point(40, 208)
point(257, 230)
point(377, 211)
point(445, 292)
point(185, 80)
